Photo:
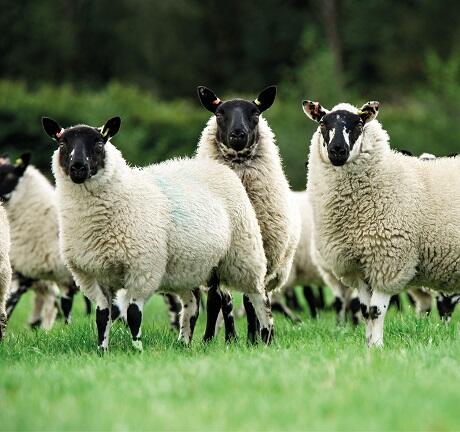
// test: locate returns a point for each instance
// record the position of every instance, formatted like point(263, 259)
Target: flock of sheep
point(371, 223)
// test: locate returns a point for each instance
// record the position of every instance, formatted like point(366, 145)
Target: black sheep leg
point(227, 312)
point(213, 307)
point(291, 300)
point(311, 301)
point(253, 322)
point(67, 302)
point(13, 300)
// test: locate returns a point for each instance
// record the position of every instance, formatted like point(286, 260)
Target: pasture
point(316, 376)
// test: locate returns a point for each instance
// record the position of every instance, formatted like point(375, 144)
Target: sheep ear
point(314, 110)
point(266, 98)
point(208, 99)
point(111, 127)
point(369, 111)
point(52, 128)
point(22, 163)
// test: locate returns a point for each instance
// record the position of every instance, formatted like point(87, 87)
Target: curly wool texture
point(268, 189)
point(386, 219)
point(166, 226)
point(33, 217)
point(5, 268)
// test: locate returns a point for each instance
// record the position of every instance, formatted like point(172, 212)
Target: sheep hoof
point(137, 345)
point(375, 344)
point(102, 350)
point(268, 335)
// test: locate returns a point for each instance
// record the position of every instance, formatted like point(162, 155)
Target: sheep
point(305, 272)
point(5, 268)
point(422, 297)
point(381, 220)
point(169, 228)
point(30, 203)
point(238, 136)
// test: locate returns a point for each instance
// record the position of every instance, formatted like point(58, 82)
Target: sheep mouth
point(337, 162)
point(79, 179)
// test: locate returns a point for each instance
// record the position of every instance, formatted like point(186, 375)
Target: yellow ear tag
point(257, 102)
point(19, 162)
point(104, 132)
point(360, 112)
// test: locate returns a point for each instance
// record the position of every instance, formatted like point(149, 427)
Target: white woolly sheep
point(239, 137)
point(382, 220)
point(5, 268)
point(31, 206)
point(169, 227)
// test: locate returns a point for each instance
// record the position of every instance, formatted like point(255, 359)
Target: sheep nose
point(79, 169)
point(338, 151)
point(237, 134)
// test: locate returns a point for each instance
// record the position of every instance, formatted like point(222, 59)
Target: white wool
point(427, 156)
point(32, 213)
point(386, 219)
point(165, 227)
point(304, 271)
point(268, 189)
point(5, 268)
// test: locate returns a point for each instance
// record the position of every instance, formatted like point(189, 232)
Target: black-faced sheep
point(169, 227)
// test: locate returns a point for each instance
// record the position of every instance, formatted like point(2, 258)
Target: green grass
point(316, 376)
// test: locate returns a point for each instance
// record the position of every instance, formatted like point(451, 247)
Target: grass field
point(316, 376)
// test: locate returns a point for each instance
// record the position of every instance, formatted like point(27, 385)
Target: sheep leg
point(355, 307)
point(174, 308)
point(422, 301)
point(49, 310)
point(189, 315)
point(291, 299)
point(365, 299)
point(340, 308)
point(134, 320)
point(311, 301)
point(213, 307)
point(67, 301)
point(377, 311)
point(396, 302)
point(262, 306)
point(13, 299)
point(278, 306)
point(227, 312)
point(103, 322)
point(35, 319)
point(252, 320)
point(87, 305)
point(321, 302)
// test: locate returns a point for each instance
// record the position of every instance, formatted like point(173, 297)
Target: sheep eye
point(219, 116)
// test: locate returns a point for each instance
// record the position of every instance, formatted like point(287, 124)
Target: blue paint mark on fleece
point(177, 198)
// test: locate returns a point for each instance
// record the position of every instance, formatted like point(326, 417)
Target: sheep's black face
point(81, 148)
point(11, 174)
point(237, 119)
point(340, 130)
point(81, 152)
point(237, 124)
